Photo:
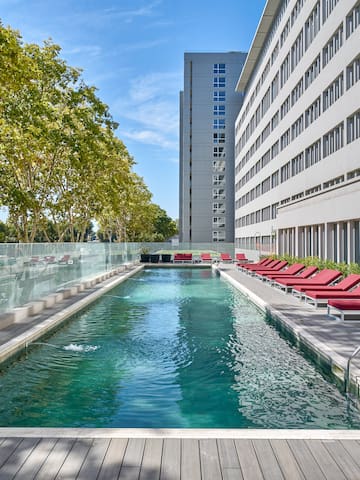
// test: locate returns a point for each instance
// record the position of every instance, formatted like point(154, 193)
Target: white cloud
point(152, 107)
point(150, 137)
point(91, 50)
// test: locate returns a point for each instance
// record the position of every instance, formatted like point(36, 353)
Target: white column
point(350, 242)
point(339, 241)
point(296, 242)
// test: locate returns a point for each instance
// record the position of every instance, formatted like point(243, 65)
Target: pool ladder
point(347, 371)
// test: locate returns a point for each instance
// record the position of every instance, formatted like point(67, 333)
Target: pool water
point(170, 348)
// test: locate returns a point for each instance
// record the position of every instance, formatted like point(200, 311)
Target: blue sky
point(132, 51)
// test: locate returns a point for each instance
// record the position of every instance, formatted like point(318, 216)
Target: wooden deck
point(110, 458)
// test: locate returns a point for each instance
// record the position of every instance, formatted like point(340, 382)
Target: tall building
point(297, 166)
point(209, 105)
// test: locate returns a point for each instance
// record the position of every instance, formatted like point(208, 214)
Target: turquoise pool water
point(171, 348)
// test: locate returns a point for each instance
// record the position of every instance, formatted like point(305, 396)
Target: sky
point(133, 52)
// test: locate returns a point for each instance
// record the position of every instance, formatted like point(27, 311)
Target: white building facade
point(297, 136)
point(209, 106)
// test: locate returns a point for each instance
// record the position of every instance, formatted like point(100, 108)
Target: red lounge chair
point(305, 274)
point(319, 296)
point(182, 257)
point(267, 267)
point(324, 277)
point(225, 257)
point(344, 307)
point(241, 258)
point(262, 263)
point(65, 260)
point(206, 257)
point(294, 269)
point(278, 267)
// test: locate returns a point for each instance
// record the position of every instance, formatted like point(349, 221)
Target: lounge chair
point(304, 274)
point(183, 258)
point(65, 260)
point(241, 258)
point(344, 307)
point(267, 268)
point(320, 295)
point(292, 270)
point(225, 257)
point(263, 262)
point(206, 258)
point(324, 277)
point(277, 268)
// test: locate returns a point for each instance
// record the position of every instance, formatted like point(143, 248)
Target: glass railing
point(29, 272)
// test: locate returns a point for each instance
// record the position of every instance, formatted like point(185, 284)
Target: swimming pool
point(170, 348)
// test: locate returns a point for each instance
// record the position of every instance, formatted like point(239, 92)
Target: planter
point(166, 258)
point(144, 257)
point(154, 258)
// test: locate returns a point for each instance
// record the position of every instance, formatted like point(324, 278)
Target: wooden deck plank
point(7, 448)
point(111, 465)
point(132, 460)
point(286, 460)
point(353, 449)
point(36, 458)
point(249, 464)
point(326, 462)
point(209, 458)
point(305, 459)
point(74, 460)
point(267, 460)
point(190, 459)
point(171, 459)
point(55, 459)
point(151, 463)
point(229, 461)
point(343, 459)
point(91, 466)
point(17, 458)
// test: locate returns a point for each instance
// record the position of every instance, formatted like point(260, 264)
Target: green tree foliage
point(61, 164)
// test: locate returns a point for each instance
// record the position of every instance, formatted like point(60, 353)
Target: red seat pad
point(345, 304)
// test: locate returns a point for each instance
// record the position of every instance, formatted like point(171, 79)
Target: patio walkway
point(251, 455)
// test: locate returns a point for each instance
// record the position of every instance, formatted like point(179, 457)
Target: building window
point(313, 154)
point(297, 50)
point(218, 137)
point(328, 6)
point(218, 222)
point(353, 72)
point(218, 236)
point(219, 109)
point(265, 102)
point(219, 96)
point(285, 70)
point(275, 87)
point(353, 20)
point(275, 149)
point(296, 10)
point(218, 208)
point(219, 68)
point(265, 159)
point(219, 123)
point(297, 127)
point(297, 164)
point(333, 92)
point(266, 185)
point(353, 127)
point(312, 113)
point(285, 107)
point(219, 165)
point(284, 33)
point(333, 45)
point(333, 140)
point(275, 179)
point(285, 139)
point(297, 91)
point(275, 120)
point(219, 152)
point(312, 25)
point(219, 194)
point(219, 82)
point(275, 53)
point(219, 180)
point(312, 72)
point(285, 172)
